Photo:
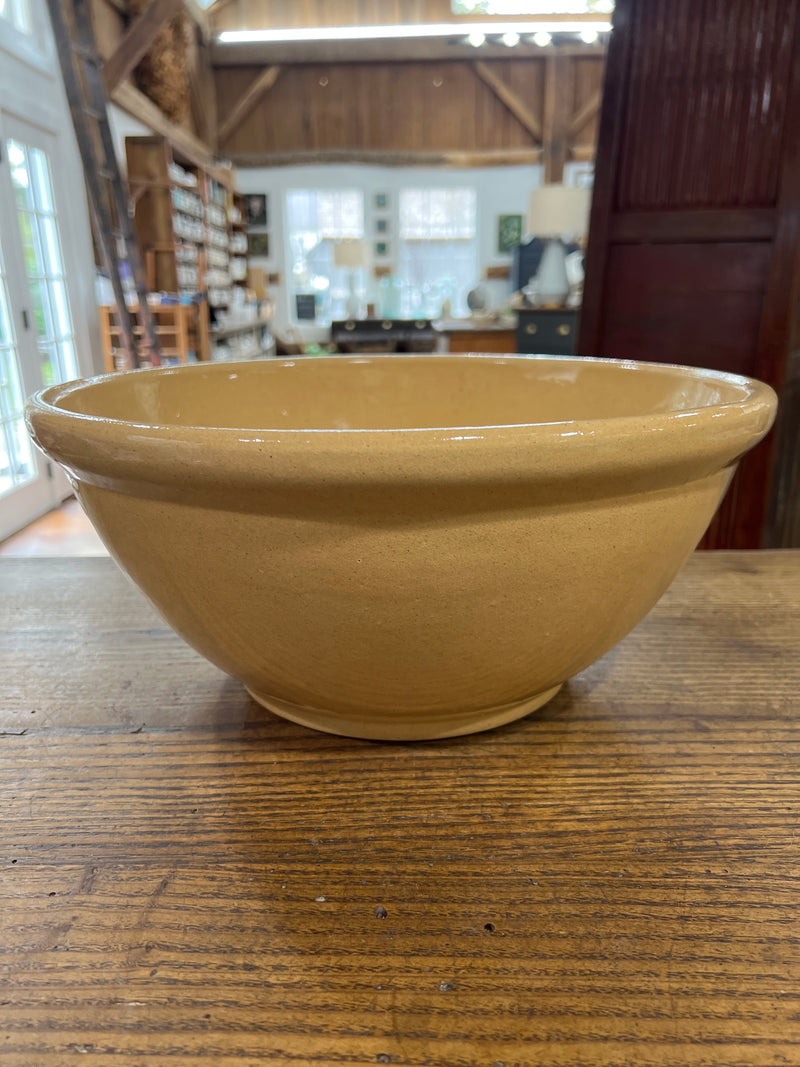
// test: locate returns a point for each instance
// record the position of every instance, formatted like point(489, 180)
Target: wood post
point(556, 125)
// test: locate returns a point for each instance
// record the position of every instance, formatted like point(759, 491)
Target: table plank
point(611, 881)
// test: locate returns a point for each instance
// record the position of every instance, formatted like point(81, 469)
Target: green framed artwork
point(258, 244)
point(509, 232)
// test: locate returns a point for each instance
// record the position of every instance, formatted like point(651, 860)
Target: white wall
point(500, 191)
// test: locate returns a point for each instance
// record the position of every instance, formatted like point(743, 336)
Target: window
point(16, 453)
point(44, 264)
point(438, 250)
point(316, 219)
point(18, 13)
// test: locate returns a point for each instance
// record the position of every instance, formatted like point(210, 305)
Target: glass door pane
point(38, 345)
point(18, 13)
point(17, 467)
point(44, 263)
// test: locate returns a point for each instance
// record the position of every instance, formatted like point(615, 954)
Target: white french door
point(37, 334)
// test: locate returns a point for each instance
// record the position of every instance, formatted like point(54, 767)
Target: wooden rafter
point(386, 158)
point(137, 39)
point(584, 114)
point(247, 101)
point(509, 98)
point(142, 108)
point(199, 17)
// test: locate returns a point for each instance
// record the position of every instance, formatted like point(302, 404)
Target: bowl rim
point(704, 438)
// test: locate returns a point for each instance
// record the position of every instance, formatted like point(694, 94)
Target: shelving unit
point(191, 226)
point(244, 340)
point(182, 329)
point(186, 218)
point(237, 224)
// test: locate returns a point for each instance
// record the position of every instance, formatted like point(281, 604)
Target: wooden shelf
point(243, 327)
point(186, 326)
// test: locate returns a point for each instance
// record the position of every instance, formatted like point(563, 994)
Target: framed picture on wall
point(381, 201)
point(382, 249)
point(381, 225)
point(305, 307)
point(256, 209)
point(509, 232)
point(258, 244)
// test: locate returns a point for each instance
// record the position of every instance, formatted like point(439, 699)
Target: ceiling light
point(589, 36)
point(476, 38)
point(511, 39)
point(405, 31)
point(542, 38)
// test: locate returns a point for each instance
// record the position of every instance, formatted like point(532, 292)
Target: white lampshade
point(351, 254)
point(558, 211)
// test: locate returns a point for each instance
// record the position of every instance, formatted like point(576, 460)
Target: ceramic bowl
point(403, 547)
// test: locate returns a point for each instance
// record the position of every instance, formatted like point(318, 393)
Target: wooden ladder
point(112, 224)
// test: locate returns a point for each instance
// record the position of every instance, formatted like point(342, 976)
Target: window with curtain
point(315, 220)
point(438, 253)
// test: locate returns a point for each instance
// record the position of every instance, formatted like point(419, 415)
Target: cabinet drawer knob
point(531, 328)
point(386, 324)
point(349, 325)
point(563, 330)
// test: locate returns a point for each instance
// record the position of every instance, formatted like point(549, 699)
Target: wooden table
point(613, 881)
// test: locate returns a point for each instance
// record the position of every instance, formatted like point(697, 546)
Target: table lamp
point(556, 213)
point(351, 255)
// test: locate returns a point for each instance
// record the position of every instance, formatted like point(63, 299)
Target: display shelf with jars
point(187, 224)
point(237, 228)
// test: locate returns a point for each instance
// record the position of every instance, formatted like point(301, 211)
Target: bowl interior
point(401, 392)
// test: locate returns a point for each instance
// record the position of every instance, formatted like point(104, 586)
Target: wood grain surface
point(696, 218)
point(185, 879)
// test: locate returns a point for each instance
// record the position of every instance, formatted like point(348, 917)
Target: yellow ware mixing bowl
point(403, 547)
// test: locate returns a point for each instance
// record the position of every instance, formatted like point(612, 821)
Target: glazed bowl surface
point(403, 547)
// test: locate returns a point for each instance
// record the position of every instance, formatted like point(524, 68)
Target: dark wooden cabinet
point(383, 335)
point(694, 243)
point(546, 331)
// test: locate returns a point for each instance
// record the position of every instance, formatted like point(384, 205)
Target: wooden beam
point(202, 95)
point(200, 18)
point(247, 101)
point(389, 50)
point(137, 39)
point(142, 108)
point(507, 96)
point(379, 157)
point(555, 128)
point(585, 113)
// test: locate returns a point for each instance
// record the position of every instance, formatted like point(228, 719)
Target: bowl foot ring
point(411, 727)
